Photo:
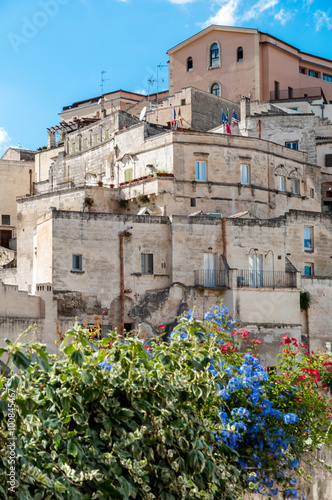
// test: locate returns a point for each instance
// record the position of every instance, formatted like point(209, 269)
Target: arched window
point(189, 64)
point(239, 54)
point(215, 89)
point(214, 56)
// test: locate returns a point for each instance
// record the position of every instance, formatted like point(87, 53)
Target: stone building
point(16, 179)
point(137, 219)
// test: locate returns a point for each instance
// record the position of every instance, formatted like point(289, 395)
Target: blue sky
point(53, 51)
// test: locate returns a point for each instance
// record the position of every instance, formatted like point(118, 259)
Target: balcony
point(211, 279)
point(265, 279)
point(290, 93)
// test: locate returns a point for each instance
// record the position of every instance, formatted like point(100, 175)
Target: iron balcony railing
point(211, 279)
point(290, 93)
point(265, 279)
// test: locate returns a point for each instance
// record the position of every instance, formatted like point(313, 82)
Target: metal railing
point(265, 279)
point(277, 95)
point(211, 279)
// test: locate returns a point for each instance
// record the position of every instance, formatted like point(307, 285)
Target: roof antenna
point(103, 80)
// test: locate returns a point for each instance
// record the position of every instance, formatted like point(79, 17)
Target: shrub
point(193, 418)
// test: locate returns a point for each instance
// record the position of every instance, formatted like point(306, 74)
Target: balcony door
point(210, 269)
point(255, 270)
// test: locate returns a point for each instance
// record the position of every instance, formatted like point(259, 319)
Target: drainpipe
point(31, 186)
point(259, 129)
point(122, 289)
point(224, 237)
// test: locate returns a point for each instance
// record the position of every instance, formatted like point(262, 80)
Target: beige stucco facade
point(16, 178)
point(267, 68)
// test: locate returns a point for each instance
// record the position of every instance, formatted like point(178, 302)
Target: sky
point(53, 51)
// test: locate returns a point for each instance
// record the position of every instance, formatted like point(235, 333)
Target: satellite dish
point(143, 113)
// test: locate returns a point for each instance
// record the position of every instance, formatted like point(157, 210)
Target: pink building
point(234, 62)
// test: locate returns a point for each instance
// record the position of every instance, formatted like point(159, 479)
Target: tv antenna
point(103, 80)
point(159, 67)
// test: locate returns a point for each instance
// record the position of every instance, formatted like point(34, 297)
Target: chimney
point(245, 108)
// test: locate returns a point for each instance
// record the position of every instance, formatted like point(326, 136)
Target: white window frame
point(295, 190)
point(245, 175)
point(201, 171)
point(281, 183)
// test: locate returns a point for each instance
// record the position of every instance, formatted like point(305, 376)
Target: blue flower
point(105, 365)
point(290, 418)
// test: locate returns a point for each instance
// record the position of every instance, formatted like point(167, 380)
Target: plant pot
point(100, 184)
point(111, 186)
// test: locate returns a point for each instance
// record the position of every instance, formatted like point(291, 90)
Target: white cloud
point(232, 12)
point(226, 15)
point(307, 3)
point(322, 19)
point(141, 91)
point(283, 16)
point(4, 137)
point(258, 8)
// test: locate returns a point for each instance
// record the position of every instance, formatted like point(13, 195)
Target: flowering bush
point(193, 418)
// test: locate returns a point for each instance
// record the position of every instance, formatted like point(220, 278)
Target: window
point(128, 175)
point(312, 193)
point(327, 78)
point(85, 144)
point(281, 182)
point(77, 263)
point(308, 237)
point(183, 102)
point(215, 89)
point(201, 171)
point(193, 202)
point(5, 220)
point(214, 56)
point(189, 64)
point(107, 135)
point(328, 160)
point(73, 148)
point(303, 71)
point(308, 270)
point(255, 270)
point(147, 263)
point(95, 139)
point(239, 54)
point(292, 145)
point(245, 174)
point(295, 186)
point(313, 73)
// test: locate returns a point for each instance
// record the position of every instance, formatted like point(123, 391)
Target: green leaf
point(9, 342)
point(107, 487)
point(125, 414)
point(69, 349)
point(196, 460)
point(20, 360)
point(165, 360)
point(13, 382)
point(3, 406)
point(87, 377)
point(44, 364)
point(72, 449)
point(77, 357)
point(2, 350)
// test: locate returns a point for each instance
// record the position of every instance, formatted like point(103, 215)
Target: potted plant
point(100, 183)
